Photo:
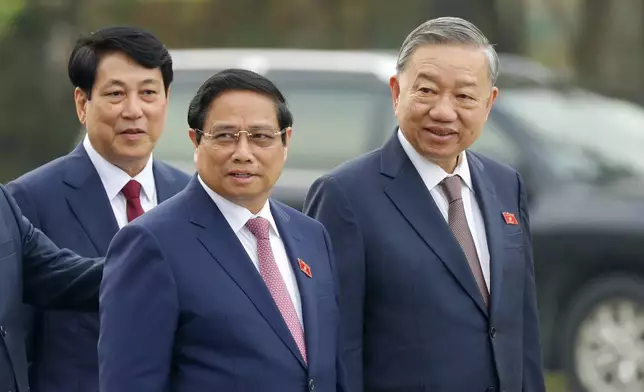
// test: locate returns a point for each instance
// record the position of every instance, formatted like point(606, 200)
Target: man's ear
point(394, 86)
point(81, 99)
point(289, 133)
point(193, 137)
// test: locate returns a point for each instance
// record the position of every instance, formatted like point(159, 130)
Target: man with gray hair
point(432, 241)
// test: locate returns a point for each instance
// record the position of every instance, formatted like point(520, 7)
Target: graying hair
point(446, 31)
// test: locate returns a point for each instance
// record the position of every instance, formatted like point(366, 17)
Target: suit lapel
point(411, 197)
point(306, 286)
point(492, 215)
point(224, 246)
point(87, 198)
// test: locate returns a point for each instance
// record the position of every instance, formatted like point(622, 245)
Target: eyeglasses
point(261, 138)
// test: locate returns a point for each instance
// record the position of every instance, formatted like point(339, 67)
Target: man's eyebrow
point(114, 82)
point(427, 76)
point(150, 81)
point(467, 83)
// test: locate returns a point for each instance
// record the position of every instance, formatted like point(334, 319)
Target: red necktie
point(273, 278)
point(132, 193)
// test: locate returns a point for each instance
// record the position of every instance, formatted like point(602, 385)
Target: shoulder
point(8, 207)
point(301, 220)
point(45, 175)
point(352, 178)
point(360, 166)
point(165, 215)
point(501, 175)
point(490, 165)
point(172, 170)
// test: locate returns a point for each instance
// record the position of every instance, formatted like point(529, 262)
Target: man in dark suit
point(432, 242)
point(220, 288)
point(35, 271)
point(122, 78)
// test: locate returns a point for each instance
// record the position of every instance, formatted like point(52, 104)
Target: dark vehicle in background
point(586, 196)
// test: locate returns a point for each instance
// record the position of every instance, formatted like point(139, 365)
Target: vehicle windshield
point(600, 134)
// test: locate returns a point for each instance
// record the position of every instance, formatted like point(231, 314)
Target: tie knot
point(452, 187)
point(132, 190)
point(258, 227)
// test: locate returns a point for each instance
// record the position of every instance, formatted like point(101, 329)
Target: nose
point(242, 152)
point(443, 111)
point(132, 108)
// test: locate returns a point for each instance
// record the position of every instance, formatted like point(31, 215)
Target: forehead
point(448, 62)
point(236, 105)
point(117, 66)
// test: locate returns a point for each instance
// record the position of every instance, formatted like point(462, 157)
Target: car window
point(336, 117)
point(494, 143)
point(607, 127)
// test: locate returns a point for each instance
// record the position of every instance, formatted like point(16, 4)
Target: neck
point(449, 165)
point(254, 207)
point(132, 168)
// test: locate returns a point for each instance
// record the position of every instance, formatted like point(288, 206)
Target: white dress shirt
point(237, 216)
point(432, 175)
point(114, 179)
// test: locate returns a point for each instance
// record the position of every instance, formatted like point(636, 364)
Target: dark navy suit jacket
point(184, 309)
point(413, 316)
point(35, 271)
point(67, 201)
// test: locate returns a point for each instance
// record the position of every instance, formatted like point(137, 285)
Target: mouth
point(132, 131)
point(441, 131)
point(241, 174)
point(440, 135)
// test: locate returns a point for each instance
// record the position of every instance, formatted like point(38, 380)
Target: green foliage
point(9, 9)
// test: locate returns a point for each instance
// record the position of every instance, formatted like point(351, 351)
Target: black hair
point(138, 44)
point(236, 80)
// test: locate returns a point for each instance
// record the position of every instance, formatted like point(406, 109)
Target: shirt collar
point(431, 173)
point(114, 178)
point(236, 215)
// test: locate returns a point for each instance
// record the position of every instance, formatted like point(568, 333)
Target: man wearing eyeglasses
point(221, 288)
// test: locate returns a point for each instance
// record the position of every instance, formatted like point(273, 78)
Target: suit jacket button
point(311, 385)
point(491, 389)
point(493, 335)
point(3, 331)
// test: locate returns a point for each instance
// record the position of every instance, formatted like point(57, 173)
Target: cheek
point(417, 110)
point(473, 120)
point(155, 113)
point(272, 166)
point(104, 114)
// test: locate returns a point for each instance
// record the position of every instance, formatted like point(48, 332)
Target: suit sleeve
point(327, 203)
point(54, 277)
point(138, 315)
point(341, 380)
point(30, 315)
point(533, 379)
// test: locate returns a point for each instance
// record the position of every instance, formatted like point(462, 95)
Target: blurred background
point(569, 119)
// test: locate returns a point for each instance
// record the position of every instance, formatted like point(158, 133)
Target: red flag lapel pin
point(305, 268)
point(510, 219)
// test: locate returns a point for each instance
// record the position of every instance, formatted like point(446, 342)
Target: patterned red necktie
point(259, 227)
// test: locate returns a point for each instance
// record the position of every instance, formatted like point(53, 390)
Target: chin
point(136, 152)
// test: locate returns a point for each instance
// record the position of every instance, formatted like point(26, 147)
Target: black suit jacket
point(34, 270)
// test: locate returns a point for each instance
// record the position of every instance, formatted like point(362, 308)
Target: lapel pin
point(510, 219)
point(305, 268)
